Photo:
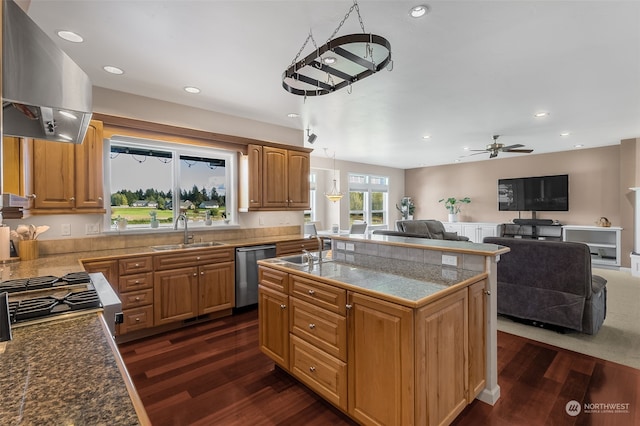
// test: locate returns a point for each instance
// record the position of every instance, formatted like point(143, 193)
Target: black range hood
point(45, 95)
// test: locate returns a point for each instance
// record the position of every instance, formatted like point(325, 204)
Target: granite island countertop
point(396, 288)
point(63, 372)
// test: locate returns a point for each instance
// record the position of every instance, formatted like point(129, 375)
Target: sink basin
point(301, 259)
point(185, 246)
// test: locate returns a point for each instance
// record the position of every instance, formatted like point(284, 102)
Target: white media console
point(603, 242)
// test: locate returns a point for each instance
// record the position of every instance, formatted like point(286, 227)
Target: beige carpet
point(619, 337)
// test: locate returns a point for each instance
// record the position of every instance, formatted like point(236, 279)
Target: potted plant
point(452, 204)
point(406, 207)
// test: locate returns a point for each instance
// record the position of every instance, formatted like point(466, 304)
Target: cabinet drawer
point(137, 319)
point(271, 278)
point(324, 329)
point(134, 265)
point(323, 373)
point(193, 258)
point(135, 282)
point(134, 299)
point(296, 246)
point(319, 294)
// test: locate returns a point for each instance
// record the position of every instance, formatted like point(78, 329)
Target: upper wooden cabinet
point(68, 177)
point(278, 178)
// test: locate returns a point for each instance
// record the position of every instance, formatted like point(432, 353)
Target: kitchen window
point(368, 199)
point(311, 214)
point(151, 182)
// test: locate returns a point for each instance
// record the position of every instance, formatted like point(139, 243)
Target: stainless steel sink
point(301, 259)
point(185, 246)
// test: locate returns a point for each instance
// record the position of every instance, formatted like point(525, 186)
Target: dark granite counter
point(63, 373)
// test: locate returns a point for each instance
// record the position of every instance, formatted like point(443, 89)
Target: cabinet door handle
point(32, 196)
point(198, 258)
point(72, 199)
point(137, 319)
point(201, 272)
point(138, 299)
point(137, 282)
point(312, 326)
point(195, 274)
point(312, 369)
point(349, 306)
point(487, 292)
point(137, 265)
point(99, 198)
point(312, 292)
point(283, 306)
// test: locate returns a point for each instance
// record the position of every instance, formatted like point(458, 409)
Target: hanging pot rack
point(303, 77)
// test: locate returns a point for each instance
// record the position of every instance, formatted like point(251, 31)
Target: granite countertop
point(397, 288)
point(63, 372)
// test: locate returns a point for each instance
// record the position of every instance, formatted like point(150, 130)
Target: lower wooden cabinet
point(273, 317)
point(216, 287)
point(175, 295)
point(380, 362)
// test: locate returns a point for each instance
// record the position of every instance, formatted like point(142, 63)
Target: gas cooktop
point(48, 281)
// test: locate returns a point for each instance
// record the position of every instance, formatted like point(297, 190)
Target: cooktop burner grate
point(44, 306)
point(76, 278)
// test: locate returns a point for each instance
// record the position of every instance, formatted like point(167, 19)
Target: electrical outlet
point(261, 220)
point(92, 228)
point(65, 229)
point(449, 260)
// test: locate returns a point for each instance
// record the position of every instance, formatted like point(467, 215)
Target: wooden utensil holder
point(28, 249)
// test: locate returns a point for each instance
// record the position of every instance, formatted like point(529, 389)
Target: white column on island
point(635, 255)
point(491, 392)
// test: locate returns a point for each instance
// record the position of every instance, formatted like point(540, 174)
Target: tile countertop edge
point(131, 389)
point(376, 293)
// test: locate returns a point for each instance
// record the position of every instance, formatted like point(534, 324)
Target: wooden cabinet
point(16, 167)
point(135, 289)
point(477, 339)
point(189, 284)
point(441, 354)
point(284, 248)
point(68, 178)
point(380, 362)
point(278, 178)
point(108, 268)
point(175, 295)
point(381, 351)
point(273, 317)
point(216, 287)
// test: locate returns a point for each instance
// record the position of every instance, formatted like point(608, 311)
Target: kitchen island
point(385, 331)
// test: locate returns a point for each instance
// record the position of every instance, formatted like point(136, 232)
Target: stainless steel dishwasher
point(247, 272)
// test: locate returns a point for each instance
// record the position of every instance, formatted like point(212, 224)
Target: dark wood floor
point(214, 373)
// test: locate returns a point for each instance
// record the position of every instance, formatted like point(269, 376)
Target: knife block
point(28, 249)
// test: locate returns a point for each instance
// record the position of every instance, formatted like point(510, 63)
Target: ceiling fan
point(494, 148)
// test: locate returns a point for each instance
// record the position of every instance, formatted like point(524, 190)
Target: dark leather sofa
point(550, 282)
point(428, 228)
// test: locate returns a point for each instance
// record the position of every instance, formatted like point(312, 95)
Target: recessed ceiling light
point(466, 148)
point(113, 70)
point(191, 89)
point(419, 11)
point(70, 36)
point(565, 134)
point(541, 114)
point(293, 115)
point(329, 60)
point(578, 145)
point(426, 137)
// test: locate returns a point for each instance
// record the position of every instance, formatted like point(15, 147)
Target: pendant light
point(334, 195)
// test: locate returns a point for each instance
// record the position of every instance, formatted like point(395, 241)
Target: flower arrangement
point(406, 207)
point(453, 204)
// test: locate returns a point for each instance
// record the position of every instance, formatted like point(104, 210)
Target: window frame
point(177, 150)
point(364, 184)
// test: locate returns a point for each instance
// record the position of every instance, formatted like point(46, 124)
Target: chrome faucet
point(320, 244)
point(183, 217)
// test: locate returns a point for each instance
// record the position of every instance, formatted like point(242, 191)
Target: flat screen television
point(537, 194)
